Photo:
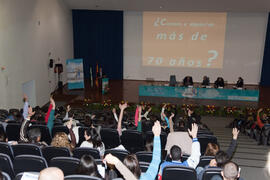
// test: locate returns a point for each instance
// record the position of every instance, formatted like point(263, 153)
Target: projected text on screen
point(176, 39)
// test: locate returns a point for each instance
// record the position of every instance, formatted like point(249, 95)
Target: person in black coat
point(219, 82)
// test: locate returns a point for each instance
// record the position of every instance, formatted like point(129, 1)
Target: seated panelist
point(240, 83)
point(219, 83)
point(206, 81)
point(188, 81)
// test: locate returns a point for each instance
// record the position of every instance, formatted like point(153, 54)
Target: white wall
point(243, 51)
point(29, 30)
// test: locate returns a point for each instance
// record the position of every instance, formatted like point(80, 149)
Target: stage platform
point(128, 90)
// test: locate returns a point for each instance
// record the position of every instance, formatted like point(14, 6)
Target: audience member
point(34, 137)
point(61, 139)
point(49, 119)
point(219, 83)
point(192, 117)
point(88, 167)
point(263, 127)
point(153, 167)
point(176, 153)
point(230, 171)
point(25, 125)
point(93, 140)
point(51, 173)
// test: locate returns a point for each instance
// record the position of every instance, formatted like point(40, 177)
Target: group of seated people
point(130, 168)
point(256, 125)
point(219, 83)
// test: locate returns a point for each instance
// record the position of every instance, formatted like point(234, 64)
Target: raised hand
point(68, 108)
point(123, 106)
point(113, 110)
point(235, 133)
point(172, 115)
point(52, 102)
point(194, 130)
point(156, 129)
point(110, 159)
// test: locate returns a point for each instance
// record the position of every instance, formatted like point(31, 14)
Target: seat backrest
point(45, 133)
point(31, 174)
point(6, 165)
point(81, 177)
point(5, 176)
point(144, 156)
point(6, 148)
point(68, 165)
point(132, 140)
point(110, 137)
point(13, 131)
point(29, 163)
point(120, 154)
point(210, 172)
point(79, 152)
point(163, 138)
point(57, 129)
point(178, 172)
point(144, 166)
point(30, 149)
point(51, 152)
point(205, 160)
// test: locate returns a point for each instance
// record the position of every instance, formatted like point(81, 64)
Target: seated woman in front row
point(219, 83)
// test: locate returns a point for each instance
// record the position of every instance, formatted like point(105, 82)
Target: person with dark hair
point(192, 117)
point(132, 163)
point(25, 125)
point(176, 153)
point(240, 83)
point(206, 81)
point(88, 166)
point(153, 167)
point(93, 140)
point(188, 81)
point(263, 128)
point(230, 171)
point(219, 83)
point(34, 137)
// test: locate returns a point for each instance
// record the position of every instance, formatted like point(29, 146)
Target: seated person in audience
point(240, 83)
point(25, 125)
point(218, 162)
point(34, 137)
point(212, 148)
point(122, 107)
point(192, 117)
point(185, 142)
point(131, 170)
point(61, 139)
point(230, 171)
point(93, 140)
point(89, 167)
point(188, 81)
point(3, 138)
point(206, 81)
point(267, 165)
point(176, 153)
point(51, 173)
point(49, 118)
point(263, 123)
point(219, 83)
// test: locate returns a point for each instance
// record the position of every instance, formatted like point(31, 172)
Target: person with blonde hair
point(61, 139)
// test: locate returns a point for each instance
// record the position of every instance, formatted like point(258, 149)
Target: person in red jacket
point(264, 127)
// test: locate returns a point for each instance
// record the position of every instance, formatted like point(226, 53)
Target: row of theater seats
point(132, 140)
point(27, 157)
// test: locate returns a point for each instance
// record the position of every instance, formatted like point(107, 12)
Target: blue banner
point(199, 93)
point(75, 77)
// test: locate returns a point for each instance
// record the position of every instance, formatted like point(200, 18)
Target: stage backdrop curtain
point(98, 38)
point(265, 75)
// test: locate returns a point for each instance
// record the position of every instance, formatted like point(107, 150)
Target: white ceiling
point(173, 5)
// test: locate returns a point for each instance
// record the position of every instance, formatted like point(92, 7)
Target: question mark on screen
point(211, 59)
